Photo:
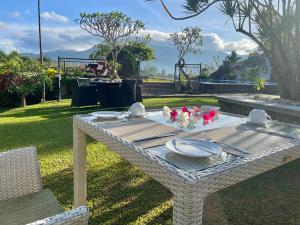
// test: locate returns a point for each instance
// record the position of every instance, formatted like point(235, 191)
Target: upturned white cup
point(137, 109)
point(258, 116)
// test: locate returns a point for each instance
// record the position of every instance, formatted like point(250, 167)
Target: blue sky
point(18, 24)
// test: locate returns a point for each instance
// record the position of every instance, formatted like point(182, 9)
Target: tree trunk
point(288, 81)
point(23, 100)
point(44, 92)
point(285, 74)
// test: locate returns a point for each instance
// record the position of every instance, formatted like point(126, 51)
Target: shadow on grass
point(48, 136)
point(50, 112)
point(56, 111)
point(118, 194)
point(121, 194)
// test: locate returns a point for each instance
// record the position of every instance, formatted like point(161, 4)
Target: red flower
point(210, 116)
point(212, 113)
point(186, 109)
point(174, 115)
point(206, 116)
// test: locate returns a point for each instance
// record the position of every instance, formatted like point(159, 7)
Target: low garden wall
point(243, 104)
point(223, 87)
point(212, 88)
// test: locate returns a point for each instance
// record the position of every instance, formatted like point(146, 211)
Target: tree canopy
point(22, 75)
point(189, 40)
point(274, 25)
point(115, 29)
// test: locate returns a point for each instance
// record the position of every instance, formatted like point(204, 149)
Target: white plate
point(106, 114)
point(194, 148)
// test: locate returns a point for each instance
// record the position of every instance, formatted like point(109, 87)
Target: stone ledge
point(244, 103)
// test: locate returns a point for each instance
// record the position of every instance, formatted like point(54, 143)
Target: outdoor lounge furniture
point(123, 96)
point(139, 90)
point(267, 148)
point(104, 92)
point(117, 93)
point(22, 198)
point(84, 93)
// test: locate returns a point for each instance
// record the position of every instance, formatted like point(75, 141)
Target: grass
point(119, 193)
point(157, 80)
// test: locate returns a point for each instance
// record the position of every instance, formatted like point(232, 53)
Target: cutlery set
point(230, 148)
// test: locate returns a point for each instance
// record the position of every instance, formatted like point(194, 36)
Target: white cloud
point(213, 42)
point(2, 25)
point(15, 14)
point(156, 35)
point(242, 47)
point(24, 38)
point(52, 16)
point(7, 45)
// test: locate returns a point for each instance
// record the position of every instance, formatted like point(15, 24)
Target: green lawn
point(119, 193)
point(157, 80)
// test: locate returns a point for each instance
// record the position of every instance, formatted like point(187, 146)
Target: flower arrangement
point(189, 117)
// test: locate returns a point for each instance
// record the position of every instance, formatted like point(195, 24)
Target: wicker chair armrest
point(78, 216)
point(19, 173)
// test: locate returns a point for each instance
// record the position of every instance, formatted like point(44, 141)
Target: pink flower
point(212, 113)
point(196, 109)
point(173, 115)
point(210, 116)
point(186, 109)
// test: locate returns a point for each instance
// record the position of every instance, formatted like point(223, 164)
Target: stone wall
point(241, 108)
point(212, 88)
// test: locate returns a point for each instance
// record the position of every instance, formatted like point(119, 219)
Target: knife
point(154, 137)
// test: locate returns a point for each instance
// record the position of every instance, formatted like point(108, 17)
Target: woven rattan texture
point(21, 193)
point(189, 188)
point(29, 208)
point(19, 173)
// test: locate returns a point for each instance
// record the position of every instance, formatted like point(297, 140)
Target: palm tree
point(233, 58)
point(41, 51)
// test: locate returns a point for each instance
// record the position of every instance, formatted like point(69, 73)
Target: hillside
point(165, 56)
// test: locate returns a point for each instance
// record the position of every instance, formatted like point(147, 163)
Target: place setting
point(259, 121)
point(136, 111)
point(185, 152)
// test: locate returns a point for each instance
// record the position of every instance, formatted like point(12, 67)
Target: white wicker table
point(188, 182)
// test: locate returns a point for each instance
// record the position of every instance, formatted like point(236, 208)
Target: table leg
point(187, 209)
point(79, 145)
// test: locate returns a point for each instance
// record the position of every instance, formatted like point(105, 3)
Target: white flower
point(166, 112)
point(184, 119)
point(184, 116)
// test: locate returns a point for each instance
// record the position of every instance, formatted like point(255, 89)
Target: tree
point(189, 40)
point(115, 28)
point(150, 71)
point(137, 50)
point(101, 50)
point(129, 57)
point(2, 55)
point(22, 75)
point(40, 48)
point(141, 51)
point(233, 57)
point(273, 25)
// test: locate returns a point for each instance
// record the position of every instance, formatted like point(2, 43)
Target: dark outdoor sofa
point(84, 93)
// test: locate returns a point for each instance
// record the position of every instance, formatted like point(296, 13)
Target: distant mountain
point(63, 53)
point(165, 56)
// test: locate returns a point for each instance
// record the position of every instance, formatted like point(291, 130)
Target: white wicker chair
point(22, 198)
